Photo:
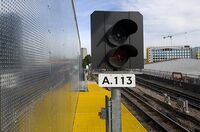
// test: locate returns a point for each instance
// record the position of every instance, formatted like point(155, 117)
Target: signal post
point(117, 47)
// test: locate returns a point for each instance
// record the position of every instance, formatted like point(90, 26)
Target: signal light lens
point(121, 31)
point(117, 58)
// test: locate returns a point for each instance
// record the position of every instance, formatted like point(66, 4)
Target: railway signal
point(117, 45)
point(117, 40)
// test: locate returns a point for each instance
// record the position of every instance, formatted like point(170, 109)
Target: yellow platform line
point(90, 103)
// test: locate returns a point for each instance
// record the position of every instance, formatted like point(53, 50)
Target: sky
point(180, 18)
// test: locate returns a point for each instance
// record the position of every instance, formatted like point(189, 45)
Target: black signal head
point(117, 40)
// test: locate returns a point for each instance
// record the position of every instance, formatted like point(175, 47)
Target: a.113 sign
point(116, 80)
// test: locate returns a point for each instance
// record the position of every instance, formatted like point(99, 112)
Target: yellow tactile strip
point(90, 103)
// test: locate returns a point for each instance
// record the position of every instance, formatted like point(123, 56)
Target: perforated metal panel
point(39, 52)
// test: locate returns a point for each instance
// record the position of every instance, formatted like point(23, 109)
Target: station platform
point(90, 103)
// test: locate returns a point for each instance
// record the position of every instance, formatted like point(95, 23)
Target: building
point(196, 52)
point(83, 52)
point(156, 54)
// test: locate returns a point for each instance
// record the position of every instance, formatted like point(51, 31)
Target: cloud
point(160, 18)
point(166, 17)
point(83, 10)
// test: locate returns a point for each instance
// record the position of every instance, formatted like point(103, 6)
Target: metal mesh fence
point(39, 52)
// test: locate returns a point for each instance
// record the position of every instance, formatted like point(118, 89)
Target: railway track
point(160, 121)
point(194, 101)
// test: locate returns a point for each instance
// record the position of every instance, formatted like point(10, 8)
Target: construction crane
point(181, 33)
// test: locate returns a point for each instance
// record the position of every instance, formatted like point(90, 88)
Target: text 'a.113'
point(116, 80)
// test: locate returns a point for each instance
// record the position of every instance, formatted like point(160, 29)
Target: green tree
point(86, 61)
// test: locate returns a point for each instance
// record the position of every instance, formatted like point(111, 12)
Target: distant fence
point(187, 78)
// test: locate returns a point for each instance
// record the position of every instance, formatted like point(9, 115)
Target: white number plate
point(116, 80)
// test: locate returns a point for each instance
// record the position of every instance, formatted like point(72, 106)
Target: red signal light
point(118, 57)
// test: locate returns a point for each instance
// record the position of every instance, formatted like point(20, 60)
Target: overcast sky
point(161, 17)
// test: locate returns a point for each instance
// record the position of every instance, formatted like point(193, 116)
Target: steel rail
point(164, 122)
point(169, 110)
point(193, 101)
